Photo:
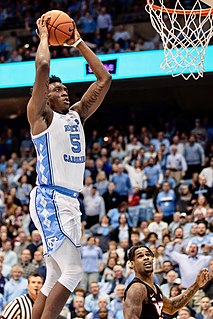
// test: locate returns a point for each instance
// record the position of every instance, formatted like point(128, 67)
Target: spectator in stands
point(166, 202)
point(94, 207)
point(91, 300)
point(189, 266)
point(118, 152)
point(210, 313)
point(88, 26)
point(204, 306)
point(16, 286)
point(207, 173)
point(178, 144)
point(6, 270)
point(184, 199)
point(157, 225)
point(78, 301)
point(3, 280)
point(10, 257)
point(153, 176)
point(121, 232)
point(136, 174)
point(27, 265)
point(111, 197)
point(104, 23)
point(202, 237)
point(185, 313)
point(202, 189)
point(200, 133)
point(208, 288)
point(116, 304)
point(177, 164)
point(36, 242)
point(101, 183)
point(102, 231)
point(21, 242)
point(119, 278)
point(122, 36)
point(23, 190)
point(171, 278)
point(122, 183)
point(194, 155)
point(91, 261)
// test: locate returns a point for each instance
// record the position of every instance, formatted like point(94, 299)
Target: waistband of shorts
point(62, 190)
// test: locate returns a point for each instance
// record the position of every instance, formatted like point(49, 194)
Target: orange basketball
point(60, 27)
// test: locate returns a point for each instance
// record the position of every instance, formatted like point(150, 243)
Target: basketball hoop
point(185, 35)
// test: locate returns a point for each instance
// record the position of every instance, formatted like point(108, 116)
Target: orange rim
point(203, 12)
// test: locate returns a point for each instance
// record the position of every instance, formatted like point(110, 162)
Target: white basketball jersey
point(61, 152)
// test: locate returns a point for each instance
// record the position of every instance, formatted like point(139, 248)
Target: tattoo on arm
point(134, 302)
point(174, 304)
point(90, 100)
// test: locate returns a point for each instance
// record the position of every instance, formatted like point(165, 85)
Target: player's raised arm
point(172, 305)
point(37, 103)
point(134, 301)
point(95, 94)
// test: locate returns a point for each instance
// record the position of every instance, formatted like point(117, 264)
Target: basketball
point(60, 27)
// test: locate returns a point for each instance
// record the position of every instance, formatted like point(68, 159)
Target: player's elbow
point(42, 65)
point(106, 80)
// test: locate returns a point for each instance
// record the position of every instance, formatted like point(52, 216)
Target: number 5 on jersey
point(75, 142)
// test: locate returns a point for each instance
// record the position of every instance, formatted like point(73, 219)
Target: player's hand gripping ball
point(60, 27)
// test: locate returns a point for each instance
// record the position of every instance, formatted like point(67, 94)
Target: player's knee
point(71, 277)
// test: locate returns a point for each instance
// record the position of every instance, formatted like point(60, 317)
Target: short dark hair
point(54, 78)
point(35, 275)
point(133, 249)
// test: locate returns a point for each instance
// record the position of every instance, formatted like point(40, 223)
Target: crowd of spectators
point(102, 24)
point(139, 186)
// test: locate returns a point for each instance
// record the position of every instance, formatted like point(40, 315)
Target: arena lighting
point(129, 65)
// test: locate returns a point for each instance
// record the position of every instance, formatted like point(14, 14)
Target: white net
point(185, 36)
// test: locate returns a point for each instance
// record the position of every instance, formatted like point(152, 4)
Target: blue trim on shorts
point(39, 218)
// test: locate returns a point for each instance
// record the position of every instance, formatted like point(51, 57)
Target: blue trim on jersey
point(50, 158)
point(43, 166)
point(59, 221)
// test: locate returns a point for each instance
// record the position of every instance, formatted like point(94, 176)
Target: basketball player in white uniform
point(58, 136)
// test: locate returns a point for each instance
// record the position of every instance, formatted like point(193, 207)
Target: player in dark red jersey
point(143, 298)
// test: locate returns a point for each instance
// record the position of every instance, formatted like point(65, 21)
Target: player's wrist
point(76, 43)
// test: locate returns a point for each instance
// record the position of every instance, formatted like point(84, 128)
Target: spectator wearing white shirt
point(136, 174)
point(122, 36)
point(158, 225)
point(207, 173)
point(94, 207)
point(104, 23)
point(178, 144)
point(176, 163)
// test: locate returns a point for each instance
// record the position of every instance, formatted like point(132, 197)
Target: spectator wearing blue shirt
point(91, 262)
point(116, 304)
point(16, 286)
point(166, 202)
point(92, 301)
point(122, 183)
point(202, 238)
point(115, 213)
point(88, 26)
point(154, 177)
point(194, 155)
